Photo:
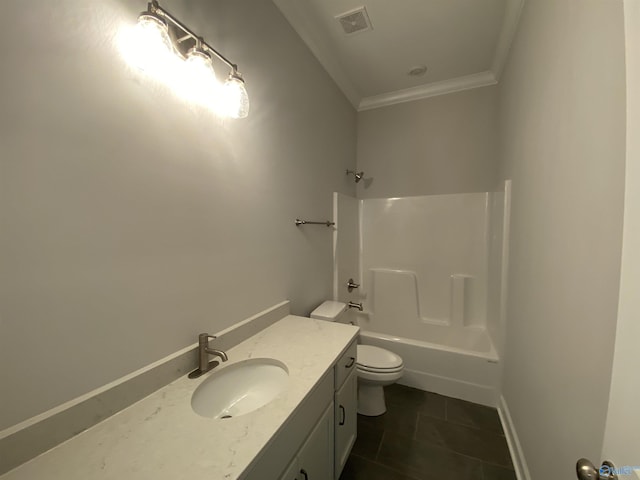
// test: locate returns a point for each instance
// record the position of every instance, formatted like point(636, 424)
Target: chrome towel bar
point(305, 222)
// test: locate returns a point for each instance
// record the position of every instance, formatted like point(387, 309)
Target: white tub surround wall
point(498, 271)
point(161, 437)
point(431, 269)
point(494, 272)
point(425, 261)
point(346, 246)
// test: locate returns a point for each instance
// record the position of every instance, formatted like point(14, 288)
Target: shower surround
point(430, 269)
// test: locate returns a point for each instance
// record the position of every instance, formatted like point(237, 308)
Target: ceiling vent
point(355, 21)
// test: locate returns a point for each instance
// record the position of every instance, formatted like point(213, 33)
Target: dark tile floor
point(425, 436)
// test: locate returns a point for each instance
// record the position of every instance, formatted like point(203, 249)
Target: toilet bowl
point(375, 366)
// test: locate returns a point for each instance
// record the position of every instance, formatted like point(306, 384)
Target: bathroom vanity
point(325, 444)
point(305, 433)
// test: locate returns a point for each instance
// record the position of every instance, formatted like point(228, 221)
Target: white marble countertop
point(160, 437)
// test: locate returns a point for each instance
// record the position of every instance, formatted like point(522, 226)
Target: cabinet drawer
point(346, 364)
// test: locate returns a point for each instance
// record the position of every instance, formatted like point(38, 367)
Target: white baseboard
point(517, 455)
point(471, 392)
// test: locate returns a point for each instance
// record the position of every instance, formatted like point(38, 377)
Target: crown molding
point(476, 80)
point(313, 38)
point(512, 14)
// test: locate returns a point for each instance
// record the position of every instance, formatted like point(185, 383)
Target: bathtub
point(451, 354)
point(471, 373)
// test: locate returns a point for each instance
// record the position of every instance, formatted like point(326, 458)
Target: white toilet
point(376, 367)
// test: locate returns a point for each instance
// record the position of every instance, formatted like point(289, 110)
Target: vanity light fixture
point(167, 49)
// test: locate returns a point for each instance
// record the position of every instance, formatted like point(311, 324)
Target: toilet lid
point(380, 370)
point(370, 357)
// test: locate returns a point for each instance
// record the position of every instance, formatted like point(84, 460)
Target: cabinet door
point(346, 420)
point(291, 473)
point(315, 458)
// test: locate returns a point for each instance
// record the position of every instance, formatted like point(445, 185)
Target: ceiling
point(463, 44)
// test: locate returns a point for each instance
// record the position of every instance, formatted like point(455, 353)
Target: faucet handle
point(351, 285)
point(205, 337)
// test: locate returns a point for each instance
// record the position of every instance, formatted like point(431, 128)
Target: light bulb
point(147, 46)
point(234, 98)
point(200, 84)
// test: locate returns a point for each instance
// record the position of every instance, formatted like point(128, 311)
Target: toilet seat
point(377, 379)
point(377, 360)
point(380, 370)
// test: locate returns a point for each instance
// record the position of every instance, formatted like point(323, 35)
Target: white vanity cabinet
point(316, 440)
point(346, 405)
point(314, 460)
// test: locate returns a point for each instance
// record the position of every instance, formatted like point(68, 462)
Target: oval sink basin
point(240, 388)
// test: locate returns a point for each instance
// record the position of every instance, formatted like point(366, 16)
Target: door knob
point(585, 470)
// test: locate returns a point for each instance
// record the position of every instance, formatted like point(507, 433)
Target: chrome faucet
point(204, 365)
point(355, 305)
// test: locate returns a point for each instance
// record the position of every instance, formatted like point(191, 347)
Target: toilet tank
point(330, 311)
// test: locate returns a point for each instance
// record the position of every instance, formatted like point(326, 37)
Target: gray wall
point(562, 131)
point(131, 222)
point(445, 144)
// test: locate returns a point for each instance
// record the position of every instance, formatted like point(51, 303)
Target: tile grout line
point(498, 465)
point(472, 427)
point(410, 475)
point(416, 407)
point(450, 450)
point(375, 457)
point(446, 409)
point(466, 425)
point(494, 410)
point(477, 427)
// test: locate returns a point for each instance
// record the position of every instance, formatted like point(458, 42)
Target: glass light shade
point(200, 82)
point(150, 47)
point(234, 98)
